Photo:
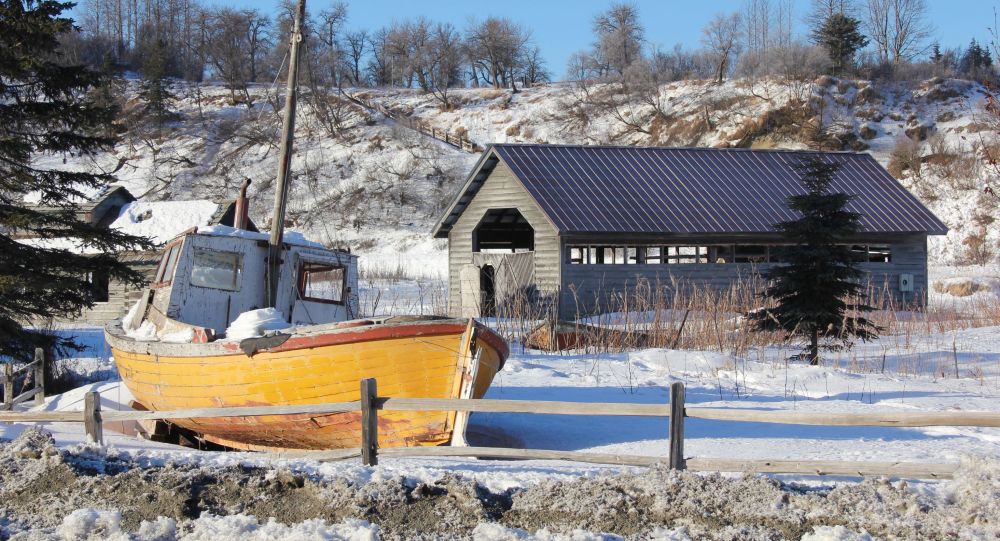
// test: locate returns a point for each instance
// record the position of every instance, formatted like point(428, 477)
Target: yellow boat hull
point(416, 358)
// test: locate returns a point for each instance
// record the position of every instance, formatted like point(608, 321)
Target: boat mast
point(285, 161)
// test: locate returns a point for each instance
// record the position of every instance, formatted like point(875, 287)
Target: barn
point(569, 226)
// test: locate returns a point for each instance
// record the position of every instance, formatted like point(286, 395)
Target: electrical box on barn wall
point(906, 282)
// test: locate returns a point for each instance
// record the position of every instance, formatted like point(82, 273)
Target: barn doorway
point(503, 231)
point(487, 291)
point(503, 245)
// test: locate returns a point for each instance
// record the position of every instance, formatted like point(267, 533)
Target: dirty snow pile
point(86, 492)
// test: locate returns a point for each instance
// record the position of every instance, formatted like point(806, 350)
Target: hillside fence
point(423, 128)
point(675, 411)
point(33, 372)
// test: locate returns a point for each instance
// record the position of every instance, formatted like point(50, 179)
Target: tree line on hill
point(190, 40)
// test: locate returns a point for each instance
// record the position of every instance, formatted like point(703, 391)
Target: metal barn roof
point(611, 189)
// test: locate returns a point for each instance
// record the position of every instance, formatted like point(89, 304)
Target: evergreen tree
point(976, 61)
point(154, 89)
point(840, 35)
point(46, 109)
point(936, 56)
point(818, 277)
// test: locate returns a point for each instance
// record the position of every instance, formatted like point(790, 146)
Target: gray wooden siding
point(586, 288)
point(502, 190)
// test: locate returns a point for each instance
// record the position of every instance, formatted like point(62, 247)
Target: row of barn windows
point(217, 269)
point(725, 253)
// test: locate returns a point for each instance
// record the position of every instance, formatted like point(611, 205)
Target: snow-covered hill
point(363, 180)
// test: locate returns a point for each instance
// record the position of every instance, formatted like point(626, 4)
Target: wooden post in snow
point(92, 417)
point(8, 387)
point(677, 426)
point(40, 360)
point(369, 423)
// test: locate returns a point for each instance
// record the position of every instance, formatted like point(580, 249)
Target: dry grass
point(684, 316)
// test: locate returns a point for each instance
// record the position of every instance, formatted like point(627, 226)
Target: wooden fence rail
point(370, 403)
point(37, 370)
point(458, 142)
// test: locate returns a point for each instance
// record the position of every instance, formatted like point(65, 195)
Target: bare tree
point(379, 63)
point(495, 48)
point(721, 37)
point(619, 34)
point(357, 43)
point(534, 70)
point(442, 59)
point(327, 32)
point(227, 50)
point(821, 10)
point(898, 28)
point(258, 39)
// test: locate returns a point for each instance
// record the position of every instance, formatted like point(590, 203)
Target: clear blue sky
point(562, 27)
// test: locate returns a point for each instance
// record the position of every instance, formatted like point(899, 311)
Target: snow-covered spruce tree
point(45, 109)
point(813, 287)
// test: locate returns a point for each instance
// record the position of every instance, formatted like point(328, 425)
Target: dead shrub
point(792, 121)
point(946, 116)
point(978, 250)
point(963, 288)
point(905, 156)
point(867, 96)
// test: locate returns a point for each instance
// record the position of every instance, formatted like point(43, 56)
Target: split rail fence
point(36, 370)
point(444, 136)
point(675, 411)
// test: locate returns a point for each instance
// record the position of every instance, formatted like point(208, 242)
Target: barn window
point(322, 283)
point(165, 271)
point(687, 254)
point(654, 255)
point(751, 253)
point(504, 231)
point(873, 253)
point(216, 270)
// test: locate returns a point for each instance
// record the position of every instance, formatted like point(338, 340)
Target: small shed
point(570, 226)
point(160, 221)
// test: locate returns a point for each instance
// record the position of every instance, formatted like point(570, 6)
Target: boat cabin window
point(216, 270)
point(165, 272)
point(322, 283)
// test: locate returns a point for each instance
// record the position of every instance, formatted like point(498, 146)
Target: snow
point(161, 221)
point(254, 323)
point(835, 533)
point(92, 523)
point(291, 237)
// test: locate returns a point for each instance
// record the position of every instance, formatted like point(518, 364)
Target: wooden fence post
point(92, 416)
point(677, 426)
point(369, 423)
point(8, 386)
point(40, 360)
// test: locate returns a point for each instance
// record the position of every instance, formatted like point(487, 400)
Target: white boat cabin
point(207, 277)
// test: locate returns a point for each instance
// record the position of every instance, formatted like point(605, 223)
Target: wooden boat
point(409, 356)
point(237, 318)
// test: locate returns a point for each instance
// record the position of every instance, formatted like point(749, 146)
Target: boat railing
point(369, 404)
